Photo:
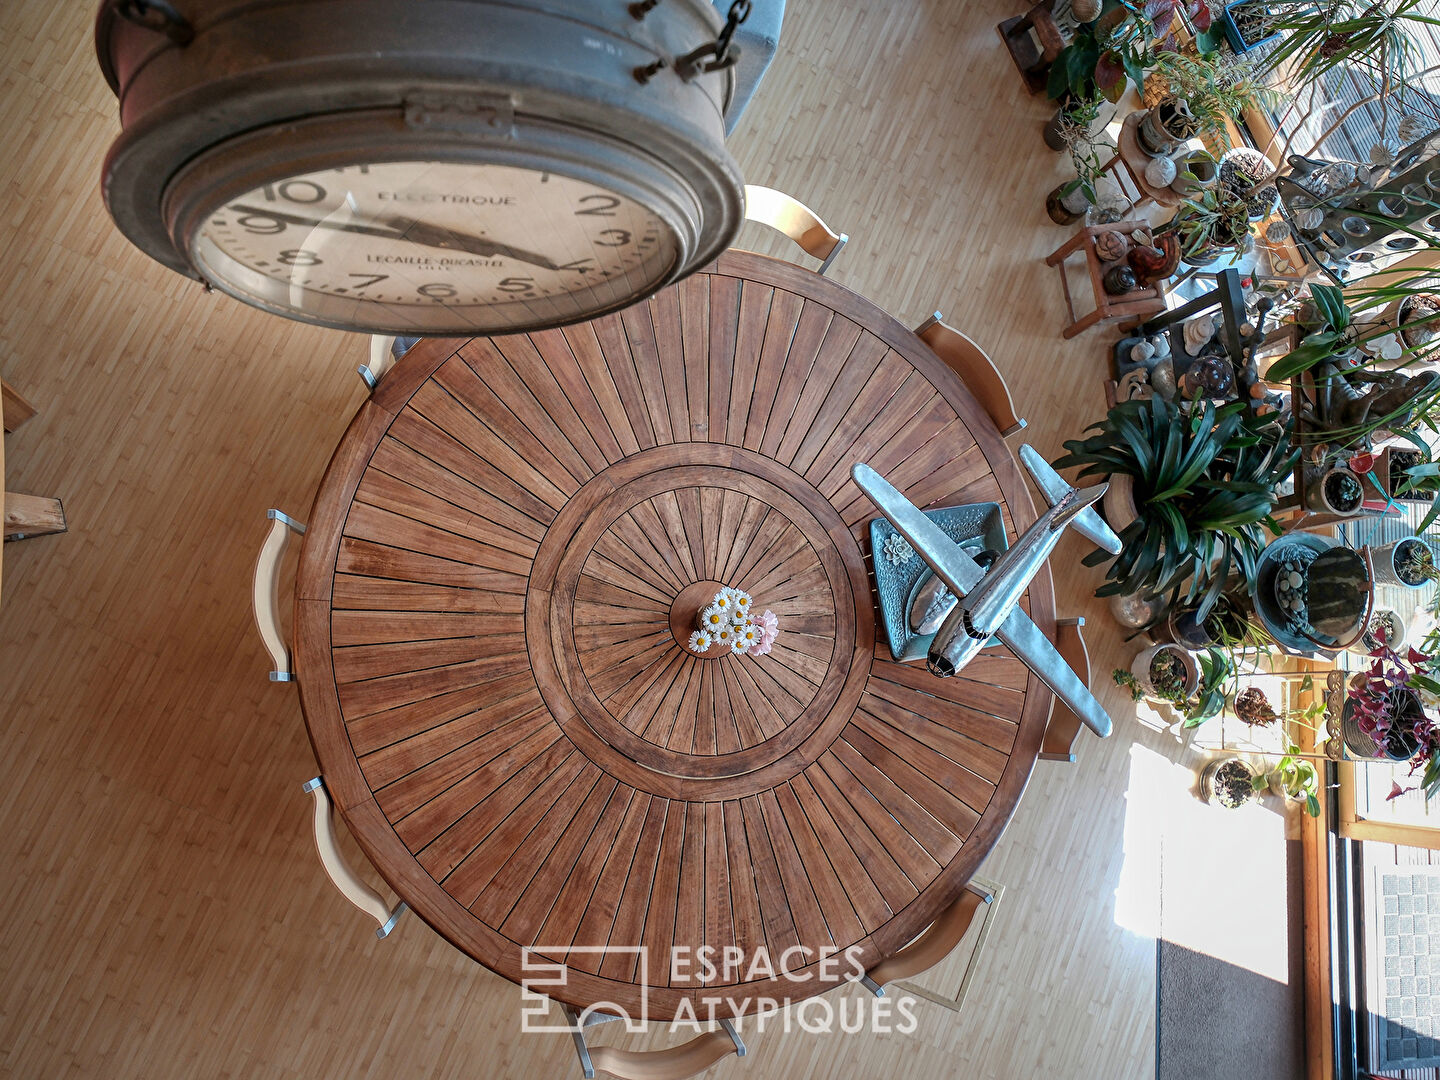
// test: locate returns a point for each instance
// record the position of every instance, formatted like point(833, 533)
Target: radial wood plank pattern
point(480, 731)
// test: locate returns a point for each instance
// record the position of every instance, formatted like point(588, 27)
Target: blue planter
point(1232, 32)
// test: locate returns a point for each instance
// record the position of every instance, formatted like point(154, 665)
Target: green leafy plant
point(1213, 219)
point(1204, 489)
point(1217, 668)
point(1320, 36)
point(1296, 776)
point(1089, 149)
point(1216, 88)
point(1335, 335)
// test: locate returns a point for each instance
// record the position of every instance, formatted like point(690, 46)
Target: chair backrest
point(796, 220)
point(938, 940)
point(1064, 725)
point(671, 1063)
point(979, 373)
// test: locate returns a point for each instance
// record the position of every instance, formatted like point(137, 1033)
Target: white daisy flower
point(739, 645)
point(748, 635)
point(723, 600)
point(700, 641)
point(723, 635)
point(712, 618)
point(742, 602)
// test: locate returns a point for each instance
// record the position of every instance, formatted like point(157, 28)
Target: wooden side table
point(1136, 304)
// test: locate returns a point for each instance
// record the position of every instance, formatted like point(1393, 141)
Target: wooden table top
point(507, 722)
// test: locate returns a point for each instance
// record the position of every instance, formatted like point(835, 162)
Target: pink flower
point(1396, 791)
point(769, 623)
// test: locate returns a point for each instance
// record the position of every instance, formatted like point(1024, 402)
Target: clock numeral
point(437, 291)
point(516, 284)
point(299, 257)
point(621, 238)
point(605, 205)
point(296, 191)
point(370, 279)
point(579, 266)
point(260, 224)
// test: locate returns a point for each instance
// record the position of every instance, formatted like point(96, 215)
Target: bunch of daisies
point(728, 620)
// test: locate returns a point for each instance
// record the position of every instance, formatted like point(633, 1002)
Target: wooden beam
point(32, 515)
point(16, 409)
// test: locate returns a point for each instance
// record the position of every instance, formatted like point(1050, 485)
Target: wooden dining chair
point(265, 606)
point(672, 1063)
point(938, 940)
point(979, 373)
point(796, 220)
point(1059, 741)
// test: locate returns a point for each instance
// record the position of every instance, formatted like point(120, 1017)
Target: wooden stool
point(1033, 54)
point(1136, 304)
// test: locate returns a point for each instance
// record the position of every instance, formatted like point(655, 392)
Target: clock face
point(435, 247)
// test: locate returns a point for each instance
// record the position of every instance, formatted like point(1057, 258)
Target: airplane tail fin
point(1082, 516)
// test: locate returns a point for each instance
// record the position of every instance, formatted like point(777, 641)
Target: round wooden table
point(499, 703)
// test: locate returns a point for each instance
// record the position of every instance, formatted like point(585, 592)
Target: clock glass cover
point(430, 246)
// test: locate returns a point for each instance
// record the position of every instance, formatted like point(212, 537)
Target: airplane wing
point(951, 565)
point(1035, 649)
point(1087, 522)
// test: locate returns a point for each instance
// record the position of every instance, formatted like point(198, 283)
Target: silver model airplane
point(988, 599)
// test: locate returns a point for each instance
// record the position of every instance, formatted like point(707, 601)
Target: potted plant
point(1089, 150)
point(1072, 122)
point(1214, 89)
point(1408, 563)
point(1168, 123)
point(1208, 222)
point(1165, 673)
point(1229, 782)
point(1202, 490)
point(1253, 708)
point(1383, 630)
point(1418, 480)
point(1250, 24)
point(1294, 777)
point(1335, 491)
point(1195, 170)
point(1383, 715)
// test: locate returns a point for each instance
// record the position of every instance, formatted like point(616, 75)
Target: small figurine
point(1198, 332)
point(1119, 280)
point(1110, 245)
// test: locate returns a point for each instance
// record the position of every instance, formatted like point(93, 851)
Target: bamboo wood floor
point(165, 912)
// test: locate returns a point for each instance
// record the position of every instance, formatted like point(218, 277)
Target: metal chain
point(739, 12)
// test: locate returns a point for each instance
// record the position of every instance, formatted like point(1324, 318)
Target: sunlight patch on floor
point(1193, 873)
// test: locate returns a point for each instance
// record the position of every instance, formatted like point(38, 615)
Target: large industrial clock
point(422, 166)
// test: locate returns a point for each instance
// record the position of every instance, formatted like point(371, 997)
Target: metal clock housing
point(429, 167)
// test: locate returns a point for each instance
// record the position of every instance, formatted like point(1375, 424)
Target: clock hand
point(320, 223)
point(415, 231)
point(441, 237)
